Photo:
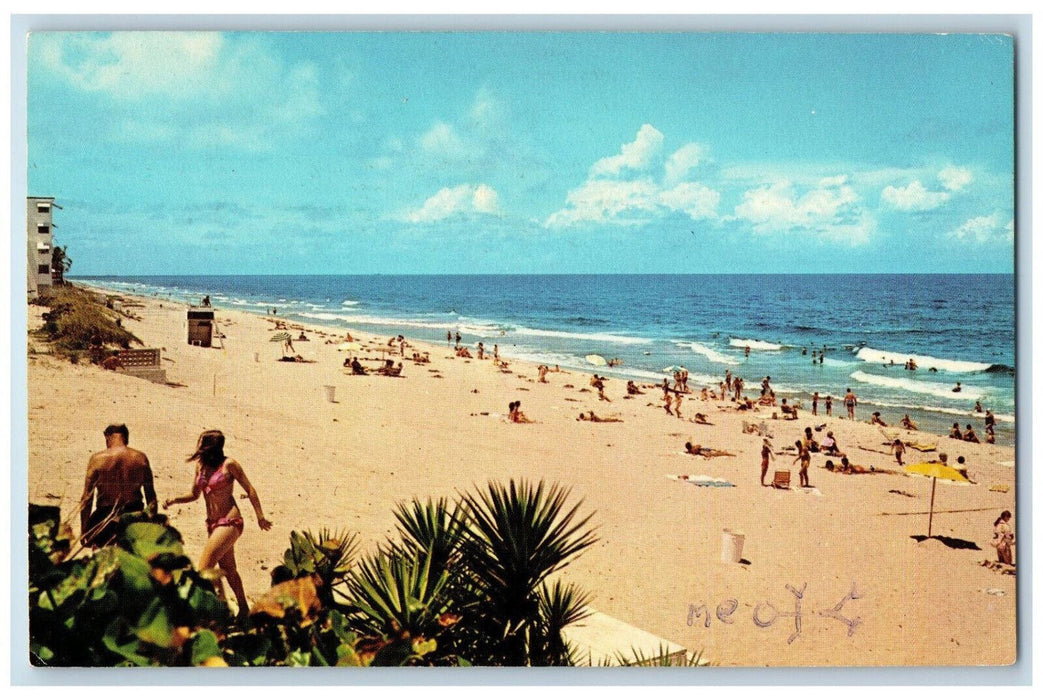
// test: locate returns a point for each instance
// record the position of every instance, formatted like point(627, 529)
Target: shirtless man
point(850, 400)
point(118, 475)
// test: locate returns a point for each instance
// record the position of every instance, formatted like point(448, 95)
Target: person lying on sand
point(701, 419)
point(877, 420)
point(632, 388)
point(908, 423)
point(295, 358)
point(596, 419)
point(846, 467)
point(389, 370)
point(515, 415)
point(463, 352)
point(708, 452)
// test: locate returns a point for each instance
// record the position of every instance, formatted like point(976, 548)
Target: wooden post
point(930, 518)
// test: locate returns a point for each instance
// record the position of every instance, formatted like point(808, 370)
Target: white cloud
point(830, 210)
point(639, 154)
point(453, 201)
point(698, 201)
point(132, 65)
point(954, 178)
point(605, 201)
point(620, 191)
point(201, 89)
point(683, 160)
point(913, 197)
point(442, 141)
point(487, 112)
point(985, 229)
point(632, 202)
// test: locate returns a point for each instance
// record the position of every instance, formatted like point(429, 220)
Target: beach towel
point(701, 480)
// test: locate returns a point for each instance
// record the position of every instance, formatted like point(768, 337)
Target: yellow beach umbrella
point(597, 360)
point(935, 471)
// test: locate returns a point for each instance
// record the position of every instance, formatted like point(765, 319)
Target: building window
point(44, 269)
point(43, 228)
point(44, 250)
point(43, 207)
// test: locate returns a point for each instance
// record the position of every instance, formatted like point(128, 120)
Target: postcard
point(521, 348)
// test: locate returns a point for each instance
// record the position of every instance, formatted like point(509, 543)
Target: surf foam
point(917, 386)
point(754, 344)
point(708, 352)
point(924, 362)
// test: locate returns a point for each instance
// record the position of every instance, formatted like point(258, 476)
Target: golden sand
point(441, 429)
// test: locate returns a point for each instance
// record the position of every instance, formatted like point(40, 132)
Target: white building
point(40, 235)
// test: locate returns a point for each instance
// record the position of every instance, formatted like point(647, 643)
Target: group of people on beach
point(120, 480)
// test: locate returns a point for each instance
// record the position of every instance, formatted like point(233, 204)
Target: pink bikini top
point(220, 480)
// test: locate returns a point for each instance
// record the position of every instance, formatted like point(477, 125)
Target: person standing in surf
point(850, 400)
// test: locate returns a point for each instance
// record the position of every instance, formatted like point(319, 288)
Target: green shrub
point(78, 322)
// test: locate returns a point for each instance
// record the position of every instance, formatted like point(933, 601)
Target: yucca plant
point(519, 535)
point(560, 606)
point(398, 597)
point(433, 528)
point(660, 659)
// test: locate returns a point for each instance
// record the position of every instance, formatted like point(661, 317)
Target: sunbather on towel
point(708, 452)
point(589, 416)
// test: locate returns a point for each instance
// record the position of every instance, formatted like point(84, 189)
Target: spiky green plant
point(395, 595)
point(560, 606)
point(432, 527)
point(519, 535)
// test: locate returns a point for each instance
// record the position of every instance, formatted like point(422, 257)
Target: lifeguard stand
point(200, 326)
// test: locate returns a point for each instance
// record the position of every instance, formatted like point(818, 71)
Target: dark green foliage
point(328, 555)
point(518, 536)
point(137, 603)
point(465, 585)
point(78, 323)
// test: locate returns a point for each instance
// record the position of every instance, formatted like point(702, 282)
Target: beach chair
point(781, 480)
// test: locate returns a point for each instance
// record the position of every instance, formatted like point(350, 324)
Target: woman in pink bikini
point(215, 477)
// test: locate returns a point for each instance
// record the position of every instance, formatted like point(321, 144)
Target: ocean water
point(960, 325)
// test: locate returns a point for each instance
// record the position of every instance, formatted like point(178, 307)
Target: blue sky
point(350, 153)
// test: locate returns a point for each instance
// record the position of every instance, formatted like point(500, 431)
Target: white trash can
point(731, 546)
point(331, 392)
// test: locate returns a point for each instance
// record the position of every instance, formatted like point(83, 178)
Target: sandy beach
point(815, 561)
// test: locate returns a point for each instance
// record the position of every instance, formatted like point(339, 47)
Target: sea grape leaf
point(204, 646)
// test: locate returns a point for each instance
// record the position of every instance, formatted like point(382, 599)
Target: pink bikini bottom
point(212, 525)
